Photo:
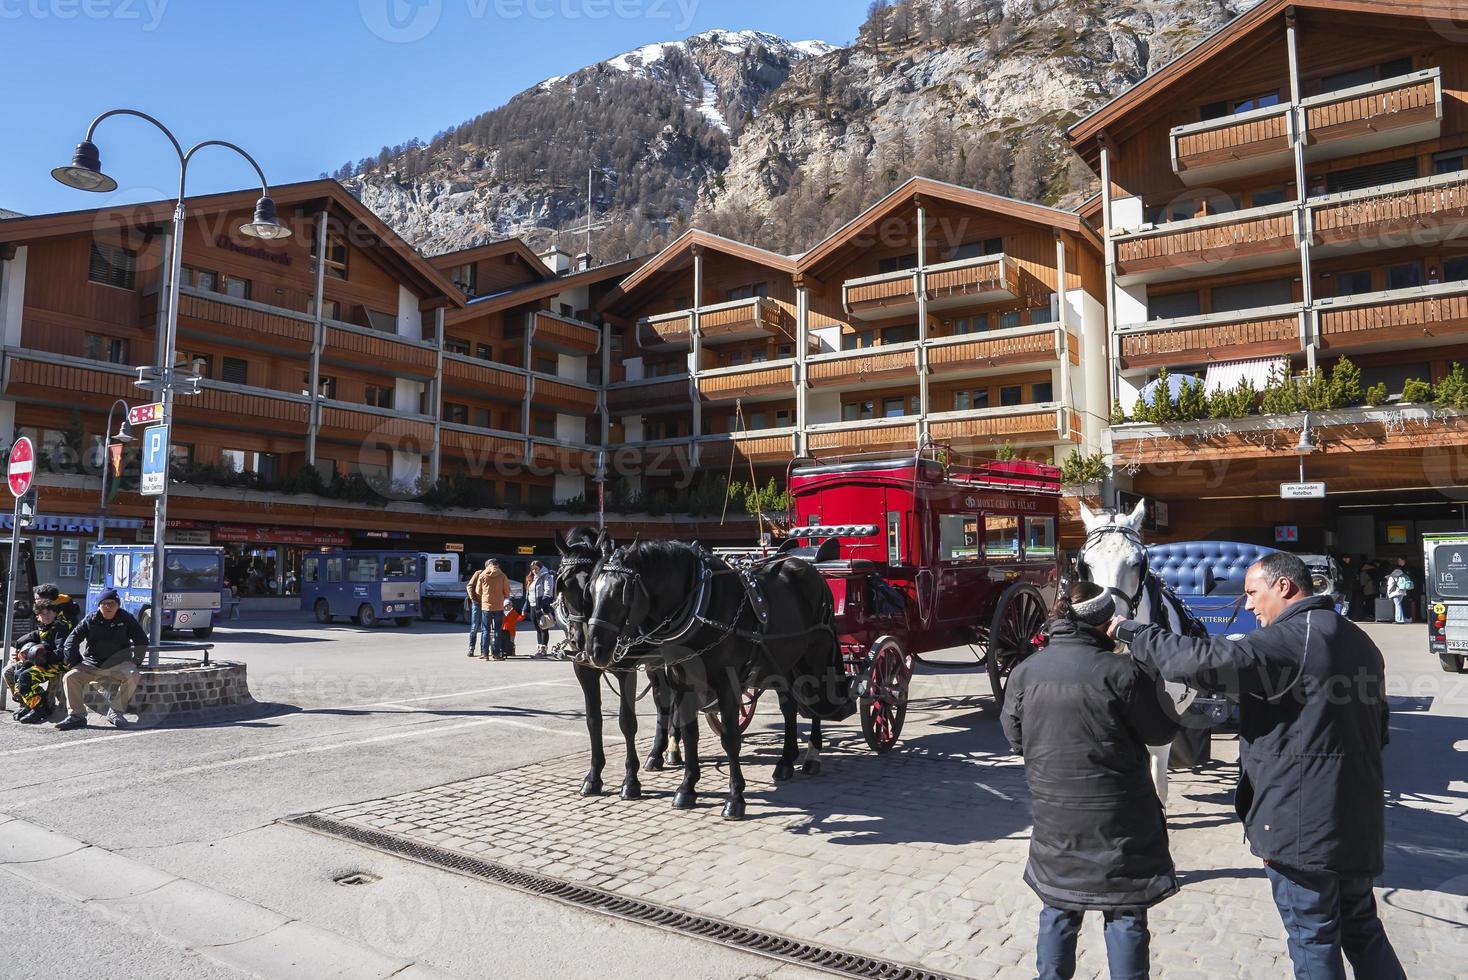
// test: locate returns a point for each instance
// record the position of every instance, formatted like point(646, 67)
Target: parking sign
point(155, 461)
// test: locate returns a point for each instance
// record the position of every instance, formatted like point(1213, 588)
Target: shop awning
point(1226, 375)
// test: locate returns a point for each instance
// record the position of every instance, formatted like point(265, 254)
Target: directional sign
point(1302, 491)
point(22, 466)
point(145, 414)
point(155, 461)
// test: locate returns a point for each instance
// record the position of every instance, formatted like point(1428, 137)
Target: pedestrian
point(114, 643)
point(1082, 717)
point(37, 662)
point(1352, 583)
point(540, 592)
point(1368, 590)
point(1313, 718)
point(1399, 586)
point(493, 589)
point(471, 600)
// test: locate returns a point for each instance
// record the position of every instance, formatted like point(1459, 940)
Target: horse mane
point(644, 555)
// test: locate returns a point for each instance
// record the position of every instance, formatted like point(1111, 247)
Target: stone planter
point(181, 693)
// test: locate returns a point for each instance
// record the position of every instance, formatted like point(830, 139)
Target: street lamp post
point(85, 173)
point(124, 436)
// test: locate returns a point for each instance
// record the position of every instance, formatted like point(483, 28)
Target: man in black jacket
point(1313, 720)
point(114, 640)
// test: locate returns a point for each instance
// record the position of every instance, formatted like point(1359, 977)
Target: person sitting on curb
point(67, 611)
point(37, 663)
point(113, 641)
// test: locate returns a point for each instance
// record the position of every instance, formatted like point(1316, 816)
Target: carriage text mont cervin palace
point(1296, 186)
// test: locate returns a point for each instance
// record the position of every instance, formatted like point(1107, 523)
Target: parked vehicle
point(368, 586)
point(443, 590)
point(24, 619)
point(1445, 593)
point(193, 583)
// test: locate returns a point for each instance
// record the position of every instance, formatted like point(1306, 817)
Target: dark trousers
point(535, 611)
point(1325, 915)
point(492, 622)
point(1127, 943)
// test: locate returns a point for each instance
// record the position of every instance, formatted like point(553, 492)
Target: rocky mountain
point(779, 142)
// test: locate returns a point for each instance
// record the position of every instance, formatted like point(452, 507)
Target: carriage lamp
point(85, 172)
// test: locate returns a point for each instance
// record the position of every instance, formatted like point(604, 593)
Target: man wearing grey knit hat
point(1082, 717)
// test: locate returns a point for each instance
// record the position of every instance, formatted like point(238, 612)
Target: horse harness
point(1084, 570)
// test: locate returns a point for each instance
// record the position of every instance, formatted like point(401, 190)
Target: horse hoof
point(592, 787)
point(811, 768)
point(676, 759)
point(784, 771)
point(734, 810)
point(684, 799)
point(631, 790)
point(654, 763)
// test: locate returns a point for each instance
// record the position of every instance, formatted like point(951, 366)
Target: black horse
point(672, 605)
point(582, 549)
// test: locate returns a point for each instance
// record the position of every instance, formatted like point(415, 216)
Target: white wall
point(1093, 396)
point(572, 367)
point(633, 367)
point(568, 486)
point(571, 428)
point(408, 396)
point(632, 428)
point(410, 320)
point(1131, 304)
point(830, 337)
point(407, 468)
point(1126, 212)
point(822, 406)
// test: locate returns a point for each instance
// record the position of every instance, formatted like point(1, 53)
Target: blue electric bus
point(193, 583)
point(367, 586)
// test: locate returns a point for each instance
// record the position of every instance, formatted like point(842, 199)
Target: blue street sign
point(155, 461)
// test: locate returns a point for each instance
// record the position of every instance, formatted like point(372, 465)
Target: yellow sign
point(525, 549)
point(454, 546)
point(1396, 534)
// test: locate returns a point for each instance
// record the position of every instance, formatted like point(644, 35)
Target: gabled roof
point(679, 255)
point(533, 292)
point(401, 256)
point(491, 250)
point(1085, 134)
point(1007, 207)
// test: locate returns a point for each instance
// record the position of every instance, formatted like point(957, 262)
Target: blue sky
point(305, 85)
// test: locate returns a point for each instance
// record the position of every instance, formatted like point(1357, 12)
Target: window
point(113, 266)
point(958, 537)
point(514, 493)
point(114, 350)
point(1357, 178)
point(71, 557)
point(1040, 314)
point(1269, 195)
point(181, 452)
point(233, 460)
point(1042, 392)
point(330, 309)
point(1252, 295)
point(1011, 395)
point(894, 537)
point(861, 339)
point(856, 411)
point(1001, 536)
point(456, 413)
point(899, 335)
point(187, 363)
point(1230, 107)
point(976, 250)
point(399, 566)
point(785, 350)
point(1367, 75)
point(333, 569)
point(892, 408)
point(336, 255)
point(897, 263)
point(750, 291)
point(783, 418)
point(325, 385)
point(236, 287)
point(1450, 162)
point(310, 569)
point(566, 310)
point(483, 419)
point(379, 397)
point(1404, 276)
point(1009, 320)
point(235, 370)
point(964, 401)
point(362, 568)
point(484, 352)
point(1455, 269)
point(198, 278)
point(977, 323)
point(593, 374)
point(545, 428)
point(1353, 283)
point(547, 365)
point(759, 356)
point(466, 278)
point(456, 345)
point(1039, 537)
point(757, 420)
point(1172, 305)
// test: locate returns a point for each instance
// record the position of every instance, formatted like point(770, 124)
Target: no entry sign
point(22, 466)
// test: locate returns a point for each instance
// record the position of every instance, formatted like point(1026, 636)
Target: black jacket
point(1313, 720)
point(45, 643)
point(1082, 717)
point(109, 642)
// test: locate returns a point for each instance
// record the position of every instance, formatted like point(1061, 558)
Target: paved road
point(351, 717)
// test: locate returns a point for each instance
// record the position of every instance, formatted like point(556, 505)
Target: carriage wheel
point(747, 703)
point(885, 709)
point(1018, 619)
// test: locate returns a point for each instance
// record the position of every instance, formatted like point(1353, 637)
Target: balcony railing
point(757, 447)
point(483, 378)
point(1215, 243)
point(1392, 112)
point(772, 378)
point(562, 397)
point(564, 334)
point(1016, 347)
point(744, 319)
point(1212, 337)
point(631, 396)
point(563, 457)
point(1246, 143)
point(1409, 212)
point(962, 282)
point(482, 449)
point(1013, 424)
point(665, 331)
point(1400, 318)
point(866, 366)
point(863, 436)
point(365, 347)
point(345, 422)
point(202, 313)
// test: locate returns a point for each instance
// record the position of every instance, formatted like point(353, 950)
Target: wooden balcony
point(852, 438)
point(773, 380)
point(1417, 212)
point(563, 459)
point(564, 335)
point(473, 376)
point(1017, 425)
point(1419, 317)
point(1215, 244)
point(665, 457)
point(1376, 116)
point(1215, 337)
point(775, 446)
point(666, 331)
point(744, 319)
point(868, 366)
point(1015, 348)
point(965, 282)
point(341, 422)
point(214, 316)
point(562, 397)
point(481, 449)
point(1233, 146)
point(635, 396)
point(382, 352)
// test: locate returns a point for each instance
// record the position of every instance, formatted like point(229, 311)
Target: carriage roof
point(930, 469)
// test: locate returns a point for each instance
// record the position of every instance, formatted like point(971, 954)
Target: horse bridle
point(559, 603)
point(1083, 570)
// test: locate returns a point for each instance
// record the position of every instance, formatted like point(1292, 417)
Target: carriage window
point(1001, 537)
point(97, 569)
point(362, 569)
point(310, 569)
point(441, 565)
point(958, 536)
point(894, 537)
point(1039, 537)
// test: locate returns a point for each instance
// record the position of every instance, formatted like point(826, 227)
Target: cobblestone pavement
point(916, 856)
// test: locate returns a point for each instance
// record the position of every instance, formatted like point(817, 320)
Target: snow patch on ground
point(709, 106)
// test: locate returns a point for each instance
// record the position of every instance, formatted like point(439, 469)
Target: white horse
point(1115, 557)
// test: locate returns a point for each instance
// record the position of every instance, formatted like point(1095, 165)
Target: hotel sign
point(1302, 491)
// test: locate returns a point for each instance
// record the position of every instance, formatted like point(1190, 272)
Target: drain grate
point(838, 961)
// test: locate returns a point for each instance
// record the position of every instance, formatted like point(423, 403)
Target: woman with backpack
point(540, 592)
point(1399, 586)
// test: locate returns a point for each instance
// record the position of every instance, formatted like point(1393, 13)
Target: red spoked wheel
point(748, 701)
point(883, 702)
point(1013, 633)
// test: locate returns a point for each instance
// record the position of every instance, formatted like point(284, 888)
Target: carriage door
point(958, 564)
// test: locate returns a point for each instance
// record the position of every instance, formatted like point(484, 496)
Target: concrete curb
point(216, 925)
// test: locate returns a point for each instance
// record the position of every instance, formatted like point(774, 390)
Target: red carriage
point(934, 551)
